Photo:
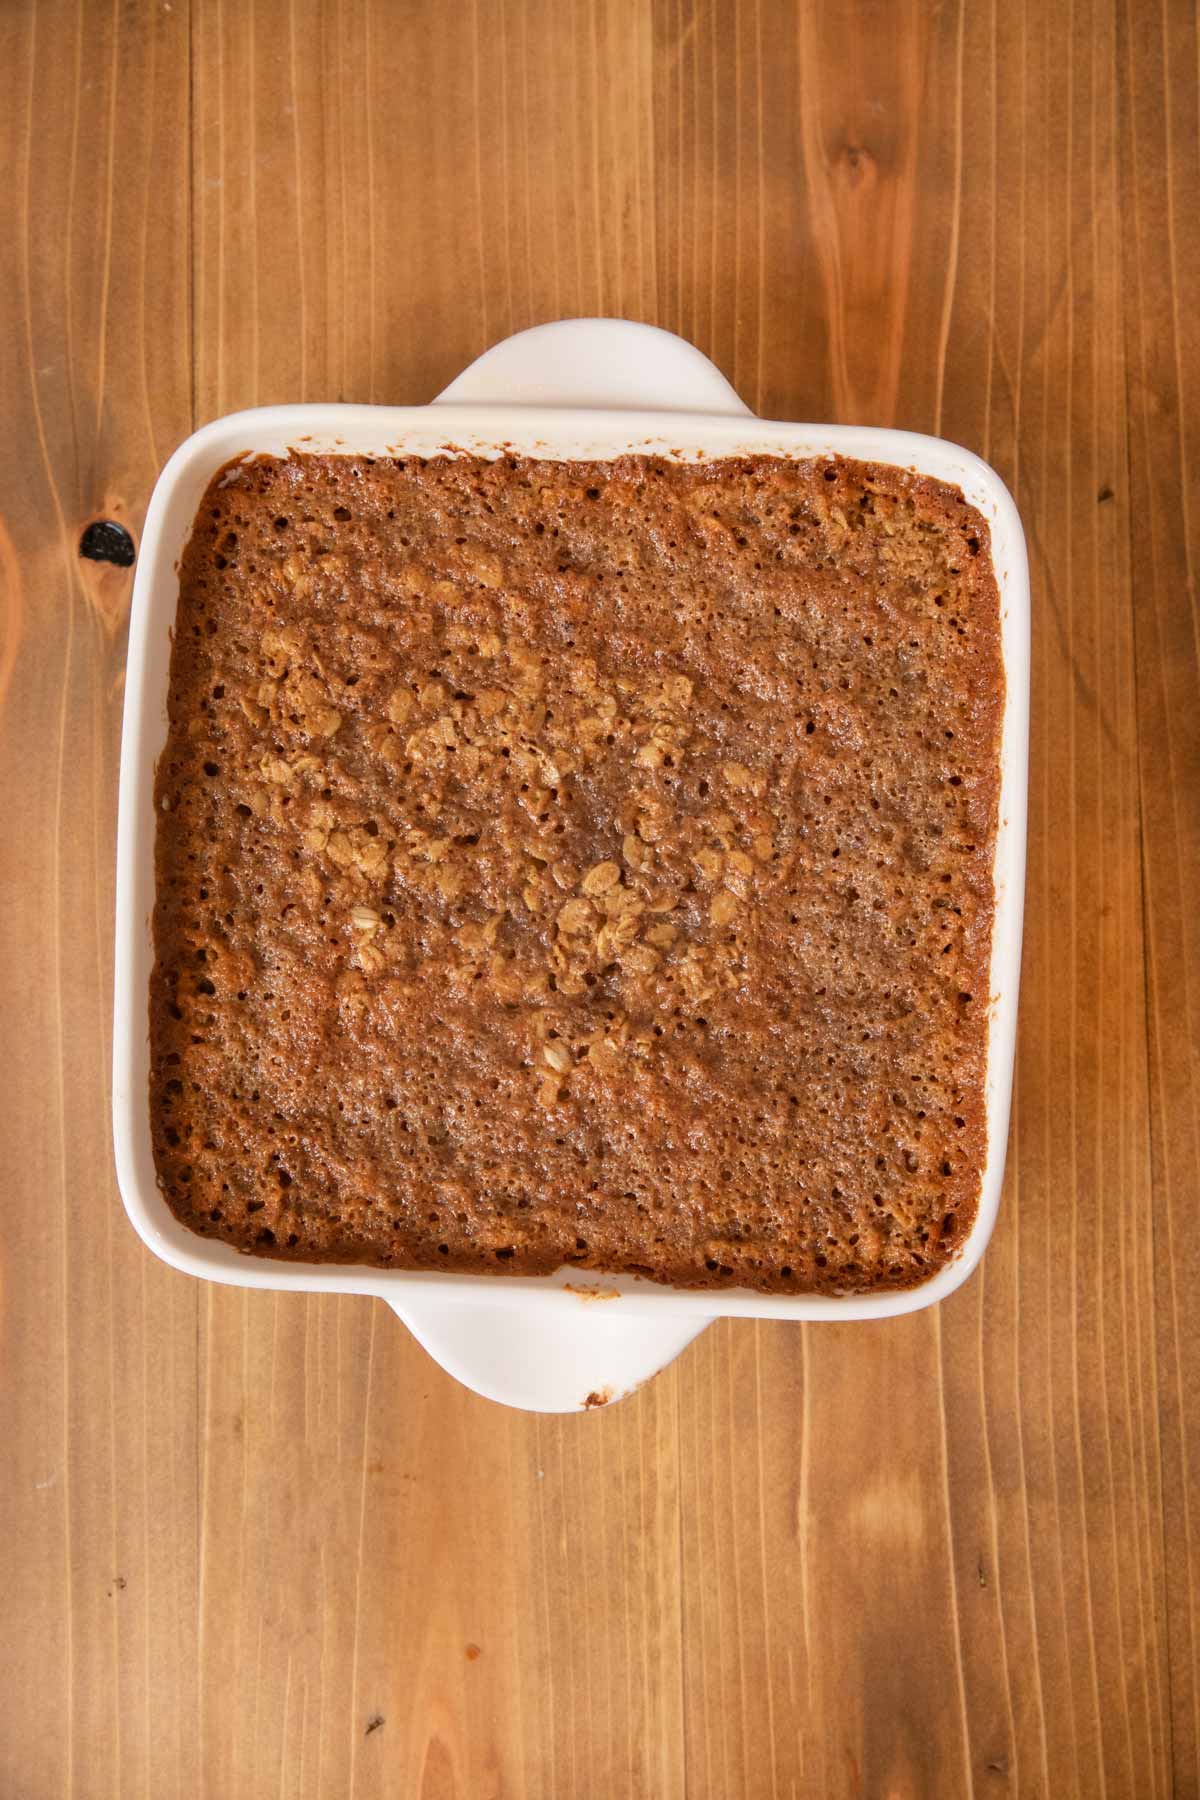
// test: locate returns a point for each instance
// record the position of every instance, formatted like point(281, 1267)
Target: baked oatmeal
point(580, 863)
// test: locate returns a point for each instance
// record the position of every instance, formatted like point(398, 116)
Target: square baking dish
point(578, 389)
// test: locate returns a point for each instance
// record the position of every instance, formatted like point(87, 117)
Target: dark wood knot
point(106, 541)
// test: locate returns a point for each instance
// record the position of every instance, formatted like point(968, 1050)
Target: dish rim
point(557, 433)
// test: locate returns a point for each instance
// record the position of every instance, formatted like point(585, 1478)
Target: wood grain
point(261, 1545)
point(1160, 169)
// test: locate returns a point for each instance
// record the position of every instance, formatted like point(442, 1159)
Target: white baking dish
point(579, 388)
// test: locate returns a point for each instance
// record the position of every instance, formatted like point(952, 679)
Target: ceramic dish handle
point(610, 363)
point(567, 1356)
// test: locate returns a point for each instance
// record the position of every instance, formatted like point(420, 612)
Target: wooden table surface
point(260, 1545)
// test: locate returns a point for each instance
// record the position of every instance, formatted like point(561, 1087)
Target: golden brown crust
point(580, 863)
